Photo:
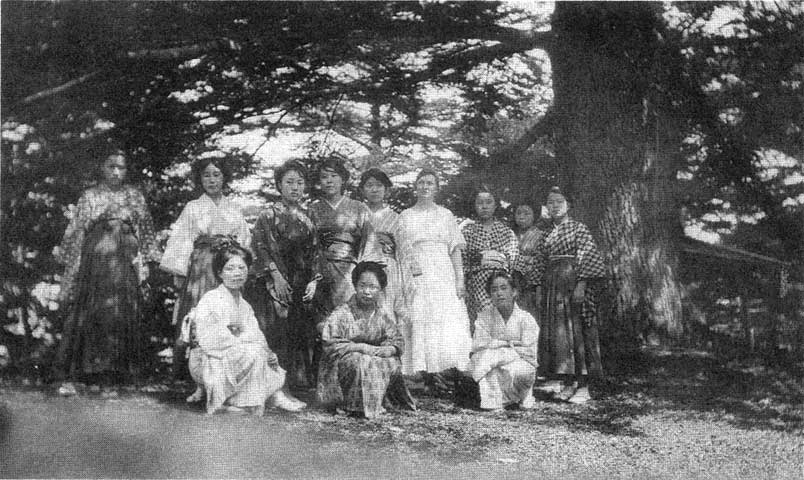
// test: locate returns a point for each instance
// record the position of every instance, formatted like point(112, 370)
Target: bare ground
point(659, 415)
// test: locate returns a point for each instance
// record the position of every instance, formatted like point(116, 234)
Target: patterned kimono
point(285, 235)
point(108, 239)
point(343, 231)
point(383, 249)
point(439, 325)
point(500, 238)
point(233, 369)
point(351, 379)
point(526, 269)
point(504, 375)
point(570, 337)
point(188, 252)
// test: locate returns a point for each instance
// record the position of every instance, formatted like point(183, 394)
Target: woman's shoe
point(197, 396)
point(285, 402)
point(566, 393)
point(67, 389)
point(581, 396)
point(528, 402)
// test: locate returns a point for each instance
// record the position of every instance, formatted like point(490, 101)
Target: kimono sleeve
point(540, 258)
point(176, 258)
point(243, 232)
point(510, 247)
point(149, 248)
point(252, 332)
point(210, 323)
point(264, 245)
point(392, 335)
point(590, 262)
point(334, 335)
point(529, 338)
point(69, 252)
point(366, 228)
point(482, 335)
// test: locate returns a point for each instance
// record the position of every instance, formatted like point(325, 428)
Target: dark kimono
point(105, 246)
point(500, 238)
point(286, 236)
point(343, 231)
point(569, 342)
point(353, 380)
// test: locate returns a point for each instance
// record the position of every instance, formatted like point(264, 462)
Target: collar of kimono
point(337, 204)
point(221, 202)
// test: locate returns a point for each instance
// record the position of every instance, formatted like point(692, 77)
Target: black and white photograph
point(389, 240)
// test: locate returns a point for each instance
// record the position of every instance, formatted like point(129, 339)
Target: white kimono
point(233, 368)
point(505, 375)
point(202, 217)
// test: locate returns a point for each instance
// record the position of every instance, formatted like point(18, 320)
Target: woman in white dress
point(210, 218)
point(431, 244)
point(229, 356)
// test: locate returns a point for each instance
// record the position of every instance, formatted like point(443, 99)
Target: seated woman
point(229, 355)
point(361, 366)
point(504, 348)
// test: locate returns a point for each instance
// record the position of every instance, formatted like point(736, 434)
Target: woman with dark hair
point(490, 246)
point(229, 356)
point(431, 243)
point(284, 242)
point(105, 247)
point(572, 269)
point(374, 185)
point(344, 227)
point(504, 348)
point(361, 367)
point(527, 263)
point(188, 253)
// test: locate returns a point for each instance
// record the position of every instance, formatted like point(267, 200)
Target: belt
point(558, 258)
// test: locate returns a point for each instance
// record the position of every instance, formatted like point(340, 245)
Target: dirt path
point(669, 417)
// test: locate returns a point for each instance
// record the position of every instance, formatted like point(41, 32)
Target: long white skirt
point(439, 336)
point(242, 378)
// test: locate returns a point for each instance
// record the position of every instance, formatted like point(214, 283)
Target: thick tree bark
point(618, 156)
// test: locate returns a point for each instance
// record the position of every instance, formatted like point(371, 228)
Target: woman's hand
point(309, 291)
point(273, 360)
point(492, 259)
point(281, 286)
point(178, 281)
point(385, 352)
point(579, 293)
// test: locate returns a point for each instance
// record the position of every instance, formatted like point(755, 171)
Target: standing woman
point(374, 185)
point(431, 242)
point(284, 243)
point(490, 246)
point(189, 251)
point(344, 227)
point(573, 269)
point(527, 264)
point(105, 247)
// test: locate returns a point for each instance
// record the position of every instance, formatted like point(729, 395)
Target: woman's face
point(114, 169)
point(368, 289)
point(557, 206)
point(212, 180)
point(485, 205)
point(374, 191)
point(292, 186)
point(234, 273)
point(502, 293)
point(524, 217)
point(426, 187)
point(331, 183)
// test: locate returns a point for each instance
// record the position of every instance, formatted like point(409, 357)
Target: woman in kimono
point(188, 254)
point(344, 227)
point(490, 245)
point(526, 266)
point(374, 185)
point(431, 243)
point(106, 246)
point(284, 242)
point(361, 368)
point(229, 355)
point(572, 273)
point(504, 348)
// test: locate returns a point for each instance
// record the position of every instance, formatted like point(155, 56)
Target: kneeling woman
point(362, 347)
point(230, 356)
point(504, 348)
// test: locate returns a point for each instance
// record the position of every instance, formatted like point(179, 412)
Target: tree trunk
point(618, 157)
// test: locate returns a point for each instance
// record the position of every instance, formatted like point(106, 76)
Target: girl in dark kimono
point(361, 368)
point(284, 242)
point(105, 249)
point(527, 263)
point(572, 272)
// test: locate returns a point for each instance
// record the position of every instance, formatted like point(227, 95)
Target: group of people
point(346, 296)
